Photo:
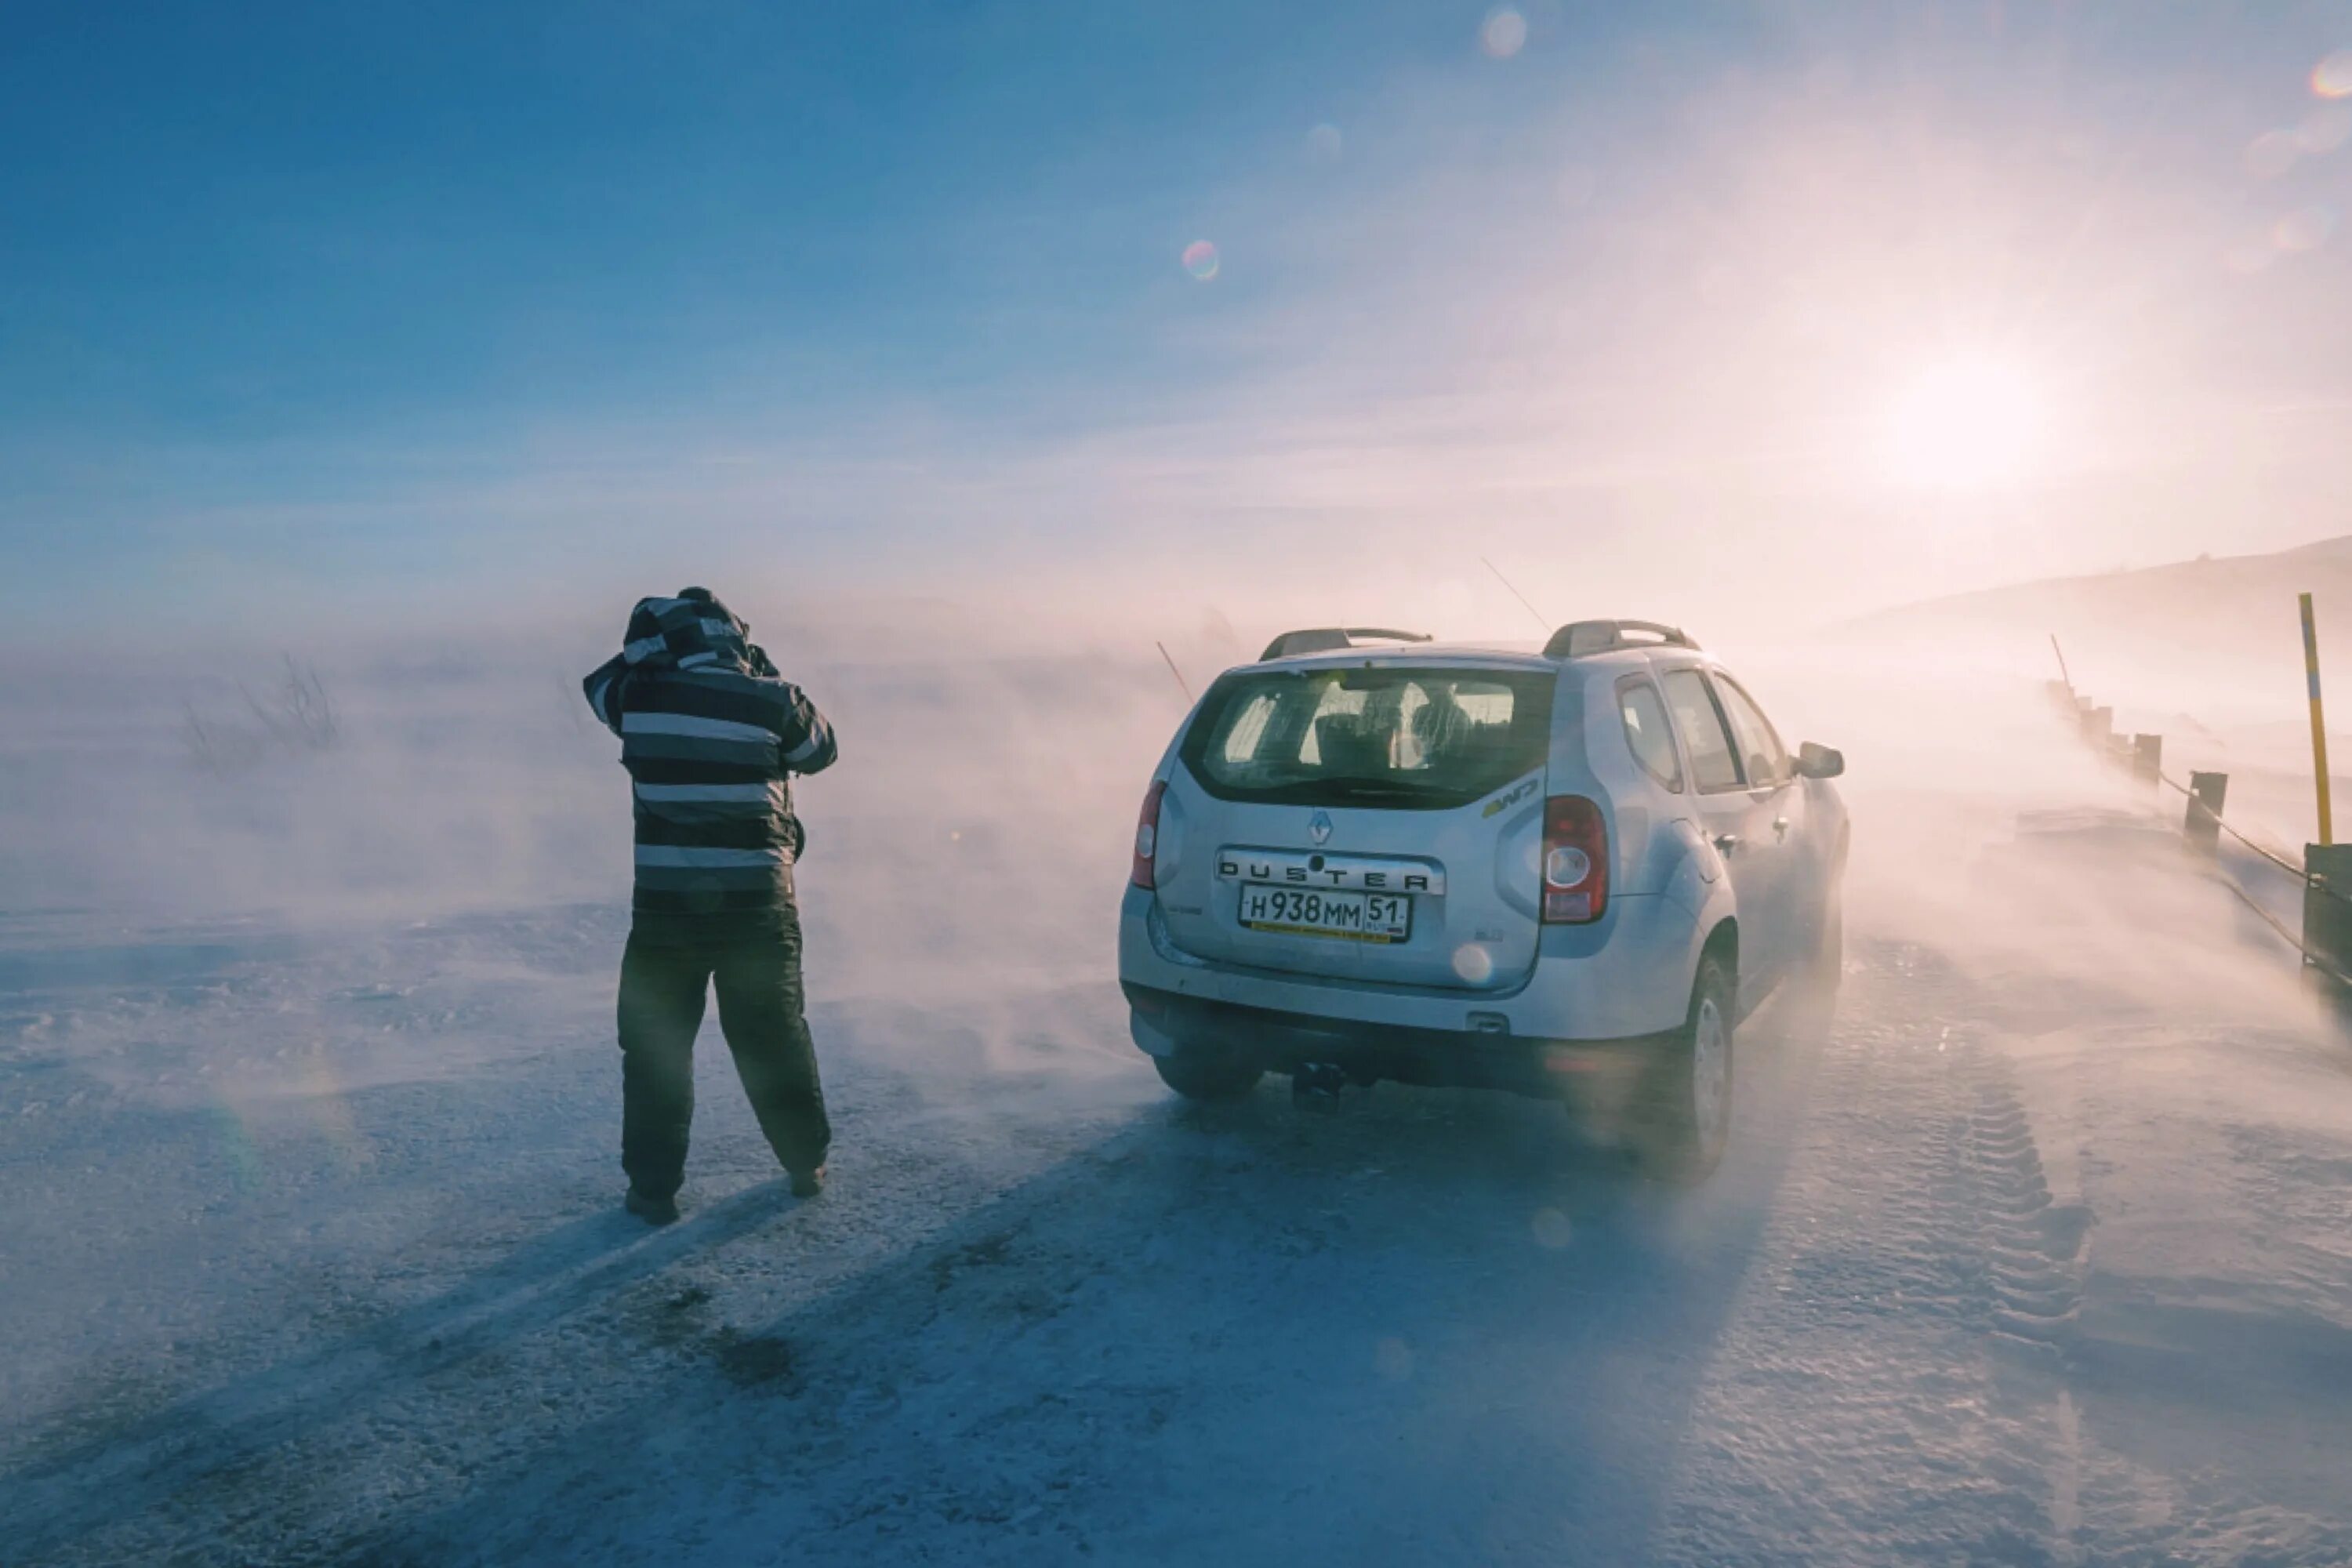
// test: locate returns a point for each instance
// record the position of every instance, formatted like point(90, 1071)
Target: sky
point(1769, 313)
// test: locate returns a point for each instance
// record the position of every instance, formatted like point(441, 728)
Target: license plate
point(1351, 917)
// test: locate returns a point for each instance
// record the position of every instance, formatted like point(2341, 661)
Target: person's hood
point(685, 632)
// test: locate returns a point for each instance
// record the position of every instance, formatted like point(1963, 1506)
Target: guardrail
point(2324, 871)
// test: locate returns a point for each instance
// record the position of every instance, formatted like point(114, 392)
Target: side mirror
point(1814, 761)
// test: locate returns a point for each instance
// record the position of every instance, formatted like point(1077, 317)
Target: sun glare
point(1970, 421)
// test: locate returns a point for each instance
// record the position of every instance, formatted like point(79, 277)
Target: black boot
point(808, 1184)
point(652, 1210)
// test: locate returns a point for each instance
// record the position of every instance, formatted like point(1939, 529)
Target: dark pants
point(662, 991)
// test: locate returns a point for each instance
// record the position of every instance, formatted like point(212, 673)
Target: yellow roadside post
point(2326, 865)
point(2319, 724)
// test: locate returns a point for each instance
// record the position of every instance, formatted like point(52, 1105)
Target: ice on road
point(278, 1299)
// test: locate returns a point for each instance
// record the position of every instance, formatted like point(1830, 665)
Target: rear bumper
point(1598, 1072)
point(1627, 975)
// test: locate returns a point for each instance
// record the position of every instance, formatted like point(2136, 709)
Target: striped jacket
point(710, 736)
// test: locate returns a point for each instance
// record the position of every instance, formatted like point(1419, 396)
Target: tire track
point(2037, 1249)
point(1886, 1391)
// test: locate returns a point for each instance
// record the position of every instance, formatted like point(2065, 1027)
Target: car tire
point(1686, 1119)
point(1208, 1076)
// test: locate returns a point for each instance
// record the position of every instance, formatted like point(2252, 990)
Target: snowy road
point(392, 1314)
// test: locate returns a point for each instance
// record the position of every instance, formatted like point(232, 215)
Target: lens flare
point(2306, 228)
point(2272, 153)
point(2248, 257)
point(237, 1146)
point(2332, 78)
point(1200, 259)
point(1504, 33)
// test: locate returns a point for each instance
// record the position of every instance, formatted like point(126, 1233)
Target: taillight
point(1575, 861)
point(1146, 834)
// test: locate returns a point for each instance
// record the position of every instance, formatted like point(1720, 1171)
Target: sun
point(1970, 421)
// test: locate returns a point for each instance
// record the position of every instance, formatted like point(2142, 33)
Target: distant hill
point(2226, 609)
point(2209, 651)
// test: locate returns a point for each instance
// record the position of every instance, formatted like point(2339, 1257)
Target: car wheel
point(1688, 1114)
point(1208, 1075)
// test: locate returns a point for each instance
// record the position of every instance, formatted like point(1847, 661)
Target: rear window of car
point(1418, 739)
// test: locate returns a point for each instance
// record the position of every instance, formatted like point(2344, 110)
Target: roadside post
point(2318, 721)
point(2061, 690)
point(2207, 791)
point(2327, 915)
point(2147, 757)
point(2326, 865)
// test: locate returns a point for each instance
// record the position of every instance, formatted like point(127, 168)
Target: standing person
point(711, 735)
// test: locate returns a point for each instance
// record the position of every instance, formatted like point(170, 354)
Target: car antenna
point(1522, 598)
point(1180, 683)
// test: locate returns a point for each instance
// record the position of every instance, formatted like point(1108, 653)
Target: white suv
point(1567, 873)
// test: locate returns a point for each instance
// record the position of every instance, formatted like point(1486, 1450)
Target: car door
point(1737, 820)
point(1781, 836)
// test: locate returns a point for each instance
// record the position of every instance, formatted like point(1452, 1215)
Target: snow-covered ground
point(2040, 1250)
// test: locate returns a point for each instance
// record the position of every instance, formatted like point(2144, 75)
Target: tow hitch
point(1315, 1086)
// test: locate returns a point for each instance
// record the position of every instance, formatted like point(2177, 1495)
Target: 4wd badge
point(1519, 792)
point(1319, 828)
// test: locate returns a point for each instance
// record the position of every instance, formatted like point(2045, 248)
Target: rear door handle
point(1725, 843)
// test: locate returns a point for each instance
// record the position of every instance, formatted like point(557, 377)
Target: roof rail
point(1578, 638)
point(1332, 639)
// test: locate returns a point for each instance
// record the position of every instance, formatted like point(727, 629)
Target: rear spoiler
point(1334, 640)
point(1579, 638)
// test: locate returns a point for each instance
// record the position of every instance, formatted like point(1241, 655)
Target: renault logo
point(1319, 828)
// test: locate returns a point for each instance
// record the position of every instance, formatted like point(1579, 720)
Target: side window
point(1760, 746)
point(1696, 715)
point(1645, 731)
